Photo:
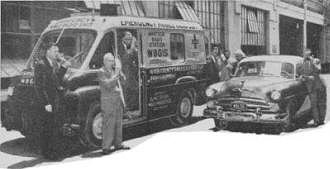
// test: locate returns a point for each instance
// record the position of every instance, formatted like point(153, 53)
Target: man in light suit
point(112, 104)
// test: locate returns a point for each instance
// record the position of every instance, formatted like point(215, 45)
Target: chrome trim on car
point(242, 99)
point(289, 97)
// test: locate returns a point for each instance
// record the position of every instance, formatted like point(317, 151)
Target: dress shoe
point(107, 151)
point(122, 147)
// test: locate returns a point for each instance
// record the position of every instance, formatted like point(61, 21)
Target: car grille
point(243, 104)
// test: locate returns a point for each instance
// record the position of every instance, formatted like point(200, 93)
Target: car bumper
point(230, 116)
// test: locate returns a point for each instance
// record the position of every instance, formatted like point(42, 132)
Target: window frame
point(99, 43)
point(179, 59)
point(144, 56)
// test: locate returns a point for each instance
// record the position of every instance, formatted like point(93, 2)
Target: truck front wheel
point(92, 136)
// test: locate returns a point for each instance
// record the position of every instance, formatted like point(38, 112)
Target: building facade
point(23, 21)
point(261, 27)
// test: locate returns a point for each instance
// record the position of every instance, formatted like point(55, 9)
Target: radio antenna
point(59, 36)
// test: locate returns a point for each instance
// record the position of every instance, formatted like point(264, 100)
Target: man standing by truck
point(128, 54)
point(49, 71)
point(112, 104)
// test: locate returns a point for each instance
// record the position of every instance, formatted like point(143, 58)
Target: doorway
point(313, 39)
point(291, 36)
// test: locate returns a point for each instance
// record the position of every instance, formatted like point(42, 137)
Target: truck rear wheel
point(184, 110)
point(92, 136)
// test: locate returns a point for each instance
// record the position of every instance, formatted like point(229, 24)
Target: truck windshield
point(74, 44)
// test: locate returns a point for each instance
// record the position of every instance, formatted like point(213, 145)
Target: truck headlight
point(210, 92)
point(210, 104)
point(275, 95)
point(10, 91)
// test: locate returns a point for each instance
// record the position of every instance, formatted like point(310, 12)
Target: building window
point(252, 22)
point(167, 9)
point(253, 31)
point(177, 47)
point(211, 16)
point(9, 18)
point(24, 19)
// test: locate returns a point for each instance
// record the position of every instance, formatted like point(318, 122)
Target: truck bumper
point(71, 130)
point(269, 118)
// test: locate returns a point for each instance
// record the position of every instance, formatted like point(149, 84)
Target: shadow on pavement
point(30, 148)
point(263, 128)
point(28, 163)
point(21, 147)
point(25, 148)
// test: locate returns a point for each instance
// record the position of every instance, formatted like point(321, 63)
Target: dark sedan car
point(266, 90)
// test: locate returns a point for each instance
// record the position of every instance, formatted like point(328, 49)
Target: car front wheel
point(220, 124)
point(289, 124)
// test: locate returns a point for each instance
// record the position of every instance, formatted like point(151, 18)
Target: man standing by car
point(49, 71)
point(213, 65)
point(238, 55)
point(310, 77)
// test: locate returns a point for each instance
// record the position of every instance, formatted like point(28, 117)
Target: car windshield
point(265, 68)
point(74, 44)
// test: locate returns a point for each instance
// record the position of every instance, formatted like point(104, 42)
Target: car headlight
point(210, 92)
point(275, 95)
point(10, 91)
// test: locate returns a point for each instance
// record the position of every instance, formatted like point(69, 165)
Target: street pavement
point(18, 152)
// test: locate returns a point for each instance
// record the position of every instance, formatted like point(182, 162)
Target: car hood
point(252, 86)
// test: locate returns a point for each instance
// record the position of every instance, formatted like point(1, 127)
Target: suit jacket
point(213, 68)
point(129, 61)
point(307, 68)
point(110, 88)
point(48, 81)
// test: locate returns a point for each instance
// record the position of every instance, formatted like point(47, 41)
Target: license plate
point(240, 117)
point(238, 106)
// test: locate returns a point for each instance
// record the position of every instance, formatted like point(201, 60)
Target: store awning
point(129, 8)
point(186, 11)
point(252, 22)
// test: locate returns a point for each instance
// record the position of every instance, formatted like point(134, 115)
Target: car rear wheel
point(184, 110)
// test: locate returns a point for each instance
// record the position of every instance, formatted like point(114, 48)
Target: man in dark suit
point(213, 67)
point(128, 55)
point(49, 71)
point(309, 74)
